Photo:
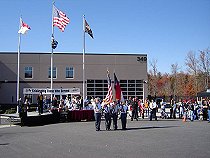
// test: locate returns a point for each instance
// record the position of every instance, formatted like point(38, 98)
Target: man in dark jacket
point(134, 109)
point(40, 103)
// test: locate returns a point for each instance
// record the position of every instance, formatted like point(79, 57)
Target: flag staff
point(18, 65)
point(83, 63)
point(51, 58)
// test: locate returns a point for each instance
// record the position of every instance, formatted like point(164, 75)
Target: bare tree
point(204, 66)
point(153, 78)
point(192, 66)
point(174, 71)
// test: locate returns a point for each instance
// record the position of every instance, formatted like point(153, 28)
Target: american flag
point(59, 19)
point(109, 95)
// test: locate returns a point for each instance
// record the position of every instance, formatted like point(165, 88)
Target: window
point(54, 72)
point(69, 72)
point(28, 72)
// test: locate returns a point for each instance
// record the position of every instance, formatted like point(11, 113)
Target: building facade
point(35, 74)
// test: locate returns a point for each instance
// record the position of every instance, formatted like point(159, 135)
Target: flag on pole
point(88, 29)
point(118, 91)
point(109, 93)
point(59, 19)
point(54, 42)
point(23, 27)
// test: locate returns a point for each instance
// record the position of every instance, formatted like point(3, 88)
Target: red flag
point(118, 91)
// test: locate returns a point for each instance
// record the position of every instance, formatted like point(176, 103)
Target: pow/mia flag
point(88, 29)
point(54, 43)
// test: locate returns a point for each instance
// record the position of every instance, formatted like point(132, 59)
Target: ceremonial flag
point(109, 93)
point(54, 43)
point(88, 29)
point(118, 91)
point(59, 19)
point(23, 27)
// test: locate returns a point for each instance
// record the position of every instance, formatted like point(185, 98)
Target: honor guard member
point(97, 109)
point(123, 115)
point(107, 115)
point(114, 112)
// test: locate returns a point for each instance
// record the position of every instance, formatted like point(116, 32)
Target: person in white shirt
point(153, 108)
point(97, 109)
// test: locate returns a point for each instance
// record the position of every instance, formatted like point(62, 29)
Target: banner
point(62, 91)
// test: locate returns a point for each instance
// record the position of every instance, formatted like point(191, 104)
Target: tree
point(174, 71)
point(204, 66)
point(192, 67)
point(153, 78)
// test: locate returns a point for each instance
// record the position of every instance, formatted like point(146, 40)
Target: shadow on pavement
point(150, 127)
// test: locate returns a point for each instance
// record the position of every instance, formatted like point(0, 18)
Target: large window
point(130, 88)
point(69, 72)
point(54, 72)
point(28, 72)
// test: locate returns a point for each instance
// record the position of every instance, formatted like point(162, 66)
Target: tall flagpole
point(83, 63)
point(51, 59)
point(18, 66)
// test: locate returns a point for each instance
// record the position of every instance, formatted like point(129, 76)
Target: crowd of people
point(137, 108)
point(133, 107)
point(67, 104)
point(191, 110)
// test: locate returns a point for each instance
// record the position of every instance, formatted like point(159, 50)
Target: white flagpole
point(83, 63)
point(18, 65)
point(51, 59)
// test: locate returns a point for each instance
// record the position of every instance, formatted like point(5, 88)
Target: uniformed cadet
point(123, 115)
point(114, 112)
point(107, 115)
point(97, 109)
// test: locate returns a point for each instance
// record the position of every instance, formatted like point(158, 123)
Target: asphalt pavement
point(143, 138)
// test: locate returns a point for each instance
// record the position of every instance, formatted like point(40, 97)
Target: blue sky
point(166, 30)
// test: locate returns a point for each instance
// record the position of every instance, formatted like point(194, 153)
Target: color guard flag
point(118, 91)
point(23, 27)
point(109, 93)
point(88, 29)
point(59, 19)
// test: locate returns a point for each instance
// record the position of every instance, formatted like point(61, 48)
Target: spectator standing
point(141, 108)
point(134, 109)
point(174, 110)
point(146, 107)
point(205, 109)
point(181, 110)
point(191, 109)
point(208, 105)
point(153, 108)
point(40, 103)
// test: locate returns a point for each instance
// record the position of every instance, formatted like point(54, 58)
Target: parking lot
point(143, 138)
